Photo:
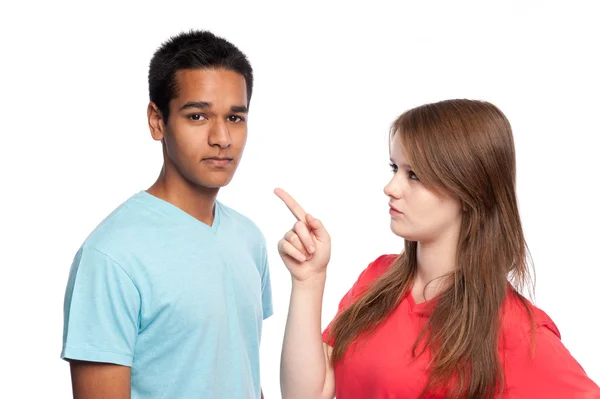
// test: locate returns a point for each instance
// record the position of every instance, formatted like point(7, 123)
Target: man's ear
point(156, 122)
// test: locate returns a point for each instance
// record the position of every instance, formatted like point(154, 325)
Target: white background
point(330, 78)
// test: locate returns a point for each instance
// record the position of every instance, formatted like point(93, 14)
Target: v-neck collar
point(424, 308)
point(169, 210)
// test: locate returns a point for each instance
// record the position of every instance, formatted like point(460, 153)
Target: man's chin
point(214, 183)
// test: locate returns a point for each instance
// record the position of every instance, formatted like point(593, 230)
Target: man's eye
point(197, 117)
point(235, 118)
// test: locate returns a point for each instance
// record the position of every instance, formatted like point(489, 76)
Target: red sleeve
point(370, 274)
point(550, 372)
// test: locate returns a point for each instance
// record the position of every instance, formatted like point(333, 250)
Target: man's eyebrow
point(239, 108)
point(196, 104)
point(204, 105)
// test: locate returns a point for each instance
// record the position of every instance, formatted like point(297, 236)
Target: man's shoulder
point(122, 226)
point(240, 221)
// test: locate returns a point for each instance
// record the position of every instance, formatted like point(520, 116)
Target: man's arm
point(101, 316)
point(100, 380)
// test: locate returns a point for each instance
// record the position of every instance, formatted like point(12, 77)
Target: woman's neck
point(435, 260)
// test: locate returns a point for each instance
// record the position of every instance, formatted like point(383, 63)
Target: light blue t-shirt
point(180, 302)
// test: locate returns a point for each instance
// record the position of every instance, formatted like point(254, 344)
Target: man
point(166, 297)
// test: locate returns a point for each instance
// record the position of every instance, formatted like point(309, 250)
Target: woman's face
point(417, 213)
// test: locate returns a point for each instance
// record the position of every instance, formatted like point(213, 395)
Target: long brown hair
point(463, 148)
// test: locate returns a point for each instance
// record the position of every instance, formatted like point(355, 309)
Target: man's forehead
point(191, 83)
point(210, 75)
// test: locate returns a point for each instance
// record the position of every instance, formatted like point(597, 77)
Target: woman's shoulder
point(520, 318)
point(377, 268)
point(536, 363)
point(372, 272)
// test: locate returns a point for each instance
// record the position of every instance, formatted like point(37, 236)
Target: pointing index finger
point(292, 205)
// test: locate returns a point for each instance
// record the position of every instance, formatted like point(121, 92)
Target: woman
point(445, 318)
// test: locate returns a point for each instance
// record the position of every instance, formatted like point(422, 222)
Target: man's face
point(205, 135)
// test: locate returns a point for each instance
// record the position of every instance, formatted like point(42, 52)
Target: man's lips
point(218, 161)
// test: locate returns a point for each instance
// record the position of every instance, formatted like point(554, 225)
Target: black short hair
point(192, 50)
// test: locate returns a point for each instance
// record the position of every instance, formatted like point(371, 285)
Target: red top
point(382, 366)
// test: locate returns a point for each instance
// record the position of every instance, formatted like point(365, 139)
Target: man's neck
point(197, 201)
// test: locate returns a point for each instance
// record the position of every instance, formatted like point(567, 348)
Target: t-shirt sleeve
point(101, 311)
point(367, 276)
point(265, 277)
point(550, 372)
